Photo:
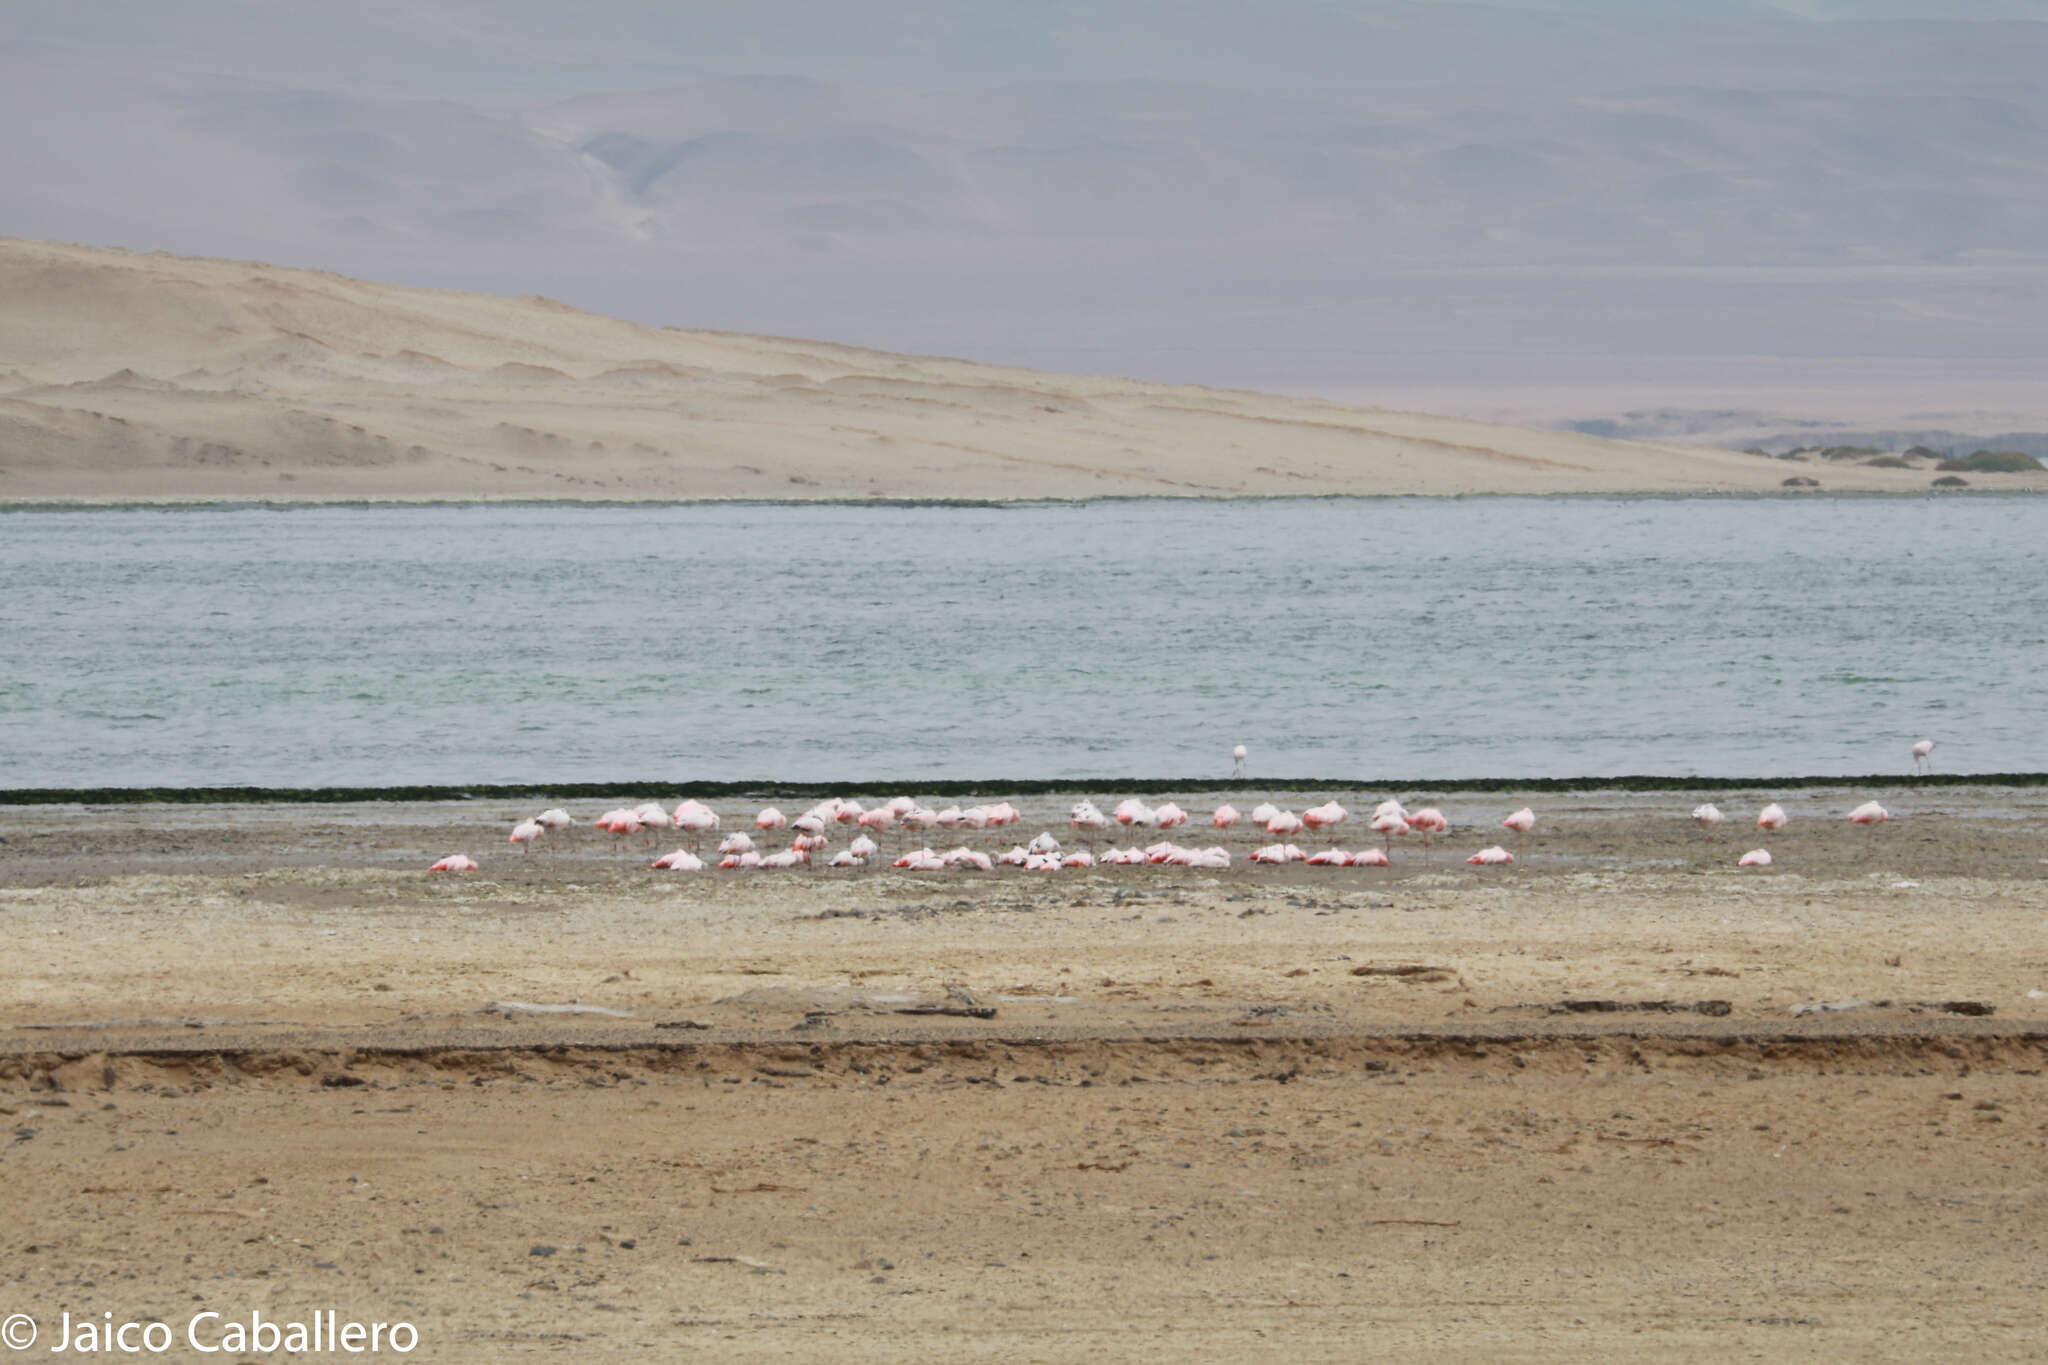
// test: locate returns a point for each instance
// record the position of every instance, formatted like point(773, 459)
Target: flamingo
point(1263, 812)
point(1332, 857)
point(682, 860)
point(736, 843)
point(1237, 758)
point(526, 831)
point(770, 818)
point(1372, 857)
point(1284, 824)
point(1086, 818)
point(1489, 857)
point(1707, 816)
point(695, 819)
point(1869, 815)
point(553, 820)
point(1390, 826)
point(1169, 816)
point(455, 862)
point(1756, 857)
point(1225, 817)
point(1771, 818)
point(1923, 751)
point(1428, 822)
point(1521, 822)
point(1327, 816)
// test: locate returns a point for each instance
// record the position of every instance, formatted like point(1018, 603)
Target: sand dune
point(129, 376)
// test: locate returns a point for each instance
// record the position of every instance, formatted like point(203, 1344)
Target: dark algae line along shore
point(581, 791)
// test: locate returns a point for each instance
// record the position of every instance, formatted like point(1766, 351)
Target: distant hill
point(155, 376)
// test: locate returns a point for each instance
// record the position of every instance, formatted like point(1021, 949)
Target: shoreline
point(272, 502)
point(1649, 783)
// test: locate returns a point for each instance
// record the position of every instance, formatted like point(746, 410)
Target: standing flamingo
point(1707, 816)
point(1428, 822)
point(1869, 815)
point(1237, 758)
point(1771, 818)
point(1923, 751)
point(526, 831)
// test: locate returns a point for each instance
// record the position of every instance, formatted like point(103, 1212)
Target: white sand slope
point(128, 376)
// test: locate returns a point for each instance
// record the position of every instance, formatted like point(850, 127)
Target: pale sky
point(1563, 208)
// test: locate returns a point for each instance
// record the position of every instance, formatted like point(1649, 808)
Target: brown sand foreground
point(243, 1067)
point(126, 376)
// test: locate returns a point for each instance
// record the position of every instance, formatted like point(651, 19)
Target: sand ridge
point(128, 376)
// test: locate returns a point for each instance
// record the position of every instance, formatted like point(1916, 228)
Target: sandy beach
point(137, 377)
point(256, 1057)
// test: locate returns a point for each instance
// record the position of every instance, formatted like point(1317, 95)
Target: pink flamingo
point(526, 831)
point(1756, 857)
point(1225, 817)
point(1771, 818)
point(455, 862)
point(770, 818)
point(1428, 822)
point(1488, 857)
point(1923, 751)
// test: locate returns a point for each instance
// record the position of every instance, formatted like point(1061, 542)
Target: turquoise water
point(371, 645)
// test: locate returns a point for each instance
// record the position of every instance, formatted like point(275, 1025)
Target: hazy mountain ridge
point(1340, 198)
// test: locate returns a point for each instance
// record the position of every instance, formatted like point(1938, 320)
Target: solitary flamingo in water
point(1923, 753)
point(1238, 756)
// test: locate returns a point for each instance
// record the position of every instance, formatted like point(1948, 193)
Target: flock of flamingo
point(810, 834)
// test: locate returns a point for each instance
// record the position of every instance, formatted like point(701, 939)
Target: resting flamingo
point(1428, 822)
point(1771, 818)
